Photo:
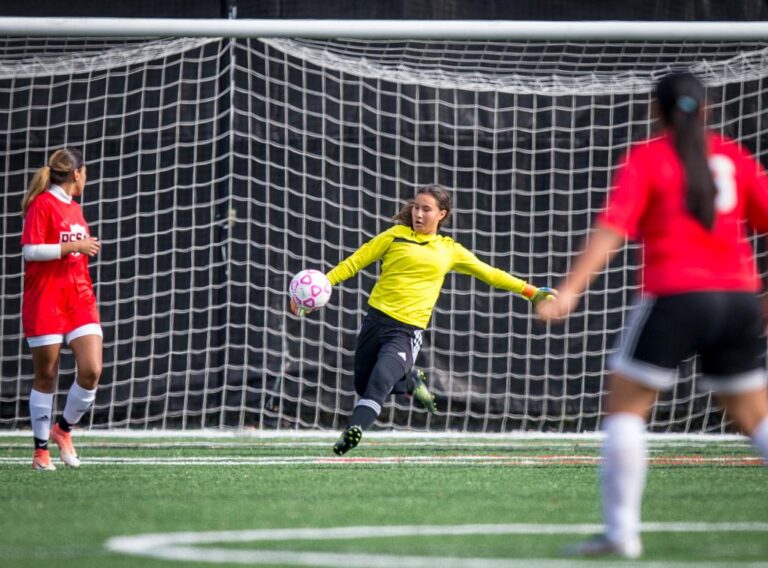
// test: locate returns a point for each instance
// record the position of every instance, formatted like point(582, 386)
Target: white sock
point(760, 439)
point(79, 401)
point(622, 475)
point(40, 411)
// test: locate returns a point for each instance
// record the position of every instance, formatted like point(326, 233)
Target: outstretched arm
point(466, 262)
point(603, 244)
point(370, 252)
point(362, 257)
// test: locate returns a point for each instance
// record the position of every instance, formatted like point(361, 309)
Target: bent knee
point(89, 375)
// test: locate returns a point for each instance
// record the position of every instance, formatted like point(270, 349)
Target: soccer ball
point(310, 289)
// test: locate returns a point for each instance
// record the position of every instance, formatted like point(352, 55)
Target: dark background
point(713, 10)
point(193, 305)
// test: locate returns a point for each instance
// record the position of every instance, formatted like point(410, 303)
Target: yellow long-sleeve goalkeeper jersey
point(413, 268)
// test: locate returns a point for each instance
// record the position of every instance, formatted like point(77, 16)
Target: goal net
point(218, 168)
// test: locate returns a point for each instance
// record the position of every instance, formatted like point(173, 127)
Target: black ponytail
point(681, 98)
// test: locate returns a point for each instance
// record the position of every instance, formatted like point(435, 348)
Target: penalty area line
point(184, 546)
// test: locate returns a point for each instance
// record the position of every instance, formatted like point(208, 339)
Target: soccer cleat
point(349, 439)
point(67, 452)
point(420, 392)
point(42, 461)
point(601, 545)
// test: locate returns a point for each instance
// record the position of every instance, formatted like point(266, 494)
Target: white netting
point(72, 56)
point(218, 168)
point(555, 68)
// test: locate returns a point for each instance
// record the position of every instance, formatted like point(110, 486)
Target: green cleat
point(420, 392)
point(349, 439)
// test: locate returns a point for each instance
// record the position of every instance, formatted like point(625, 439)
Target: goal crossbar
point(385, 29)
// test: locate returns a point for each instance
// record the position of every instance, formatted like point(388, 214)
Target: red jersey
point(58, 294)
point(647, 203)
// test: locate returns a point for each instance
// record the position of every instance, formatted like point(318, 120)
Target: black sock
point(363, 416)
point(64, 425)
point(41, 444)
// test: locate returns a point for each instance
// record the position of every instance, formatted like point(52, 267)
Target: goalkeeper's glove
point(542, 294)
point(298, 310)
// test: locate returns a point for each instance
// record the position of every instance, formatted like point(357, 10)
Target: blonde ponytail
point(40, 182)
point(60, 168)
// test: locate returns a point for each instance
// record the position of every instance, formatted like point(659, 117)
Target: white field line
point(380, 443)
point(468, 460)
point(401, 435)
point(183, 546)
point(298, 444)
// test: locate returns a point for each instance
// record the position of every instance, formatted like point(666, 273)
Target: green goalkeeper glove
point(543, 294)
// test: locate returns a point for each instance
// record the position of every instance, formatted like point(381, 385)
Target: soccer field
point(402, 501)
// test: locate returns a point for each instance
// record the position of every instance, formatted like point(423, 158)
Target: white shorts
point(55, 338)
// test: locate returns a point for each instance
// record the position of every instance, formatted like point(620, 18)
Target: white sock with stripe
point(40, 411)
point(79, 400)
point(622, 475)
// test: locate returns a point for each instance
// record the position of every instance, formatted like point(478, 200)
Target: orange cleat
point(42, 461)
point(67, 451)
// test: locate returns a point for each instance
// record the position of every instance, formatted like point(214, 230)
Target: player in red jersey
point(59, 304)
point(685, 196)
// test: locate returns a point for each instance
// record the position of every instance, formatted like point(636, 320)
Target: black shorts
point(382, 336)
point(724, 328)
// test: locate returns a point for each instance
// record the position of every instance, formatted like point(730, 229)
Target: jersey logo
point(76, 233)
point(402, 354)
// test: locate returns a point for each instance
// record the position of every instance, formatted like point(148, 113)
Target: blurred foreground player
point(685, 196)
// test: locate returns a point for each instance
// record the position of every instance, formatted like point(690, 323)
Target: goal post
point(220, 166)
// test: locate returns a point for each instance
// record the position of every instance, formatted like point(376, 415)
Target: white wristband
point(41, 252)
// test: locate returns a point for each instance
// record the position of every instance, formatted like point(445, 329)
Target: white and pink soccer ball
point(310, 289)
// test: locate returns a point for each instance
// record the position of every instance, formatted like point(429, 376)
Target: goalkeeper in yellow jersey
point(414, 262)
